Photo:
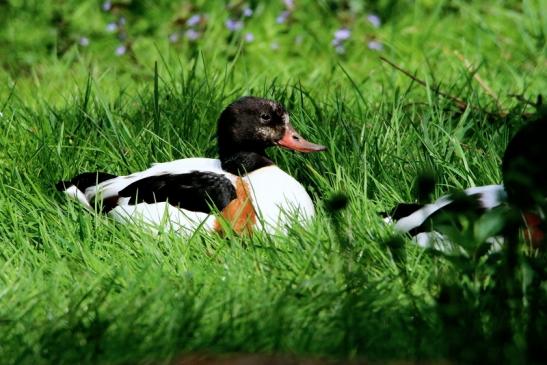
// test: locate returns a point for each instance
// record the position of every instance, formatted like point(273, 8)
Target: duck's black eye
point(265, 117)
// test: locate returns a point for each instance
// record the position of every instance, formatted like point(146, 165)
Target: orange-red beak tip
point(292, 141)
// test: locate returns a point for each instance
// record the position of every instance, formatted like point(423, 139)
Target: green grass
point(80, 288)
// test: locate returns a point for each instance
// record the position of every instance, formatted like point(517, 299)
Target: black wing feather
point(196, 191)
point(402, 210)
point(469, 206)
point(85, 180)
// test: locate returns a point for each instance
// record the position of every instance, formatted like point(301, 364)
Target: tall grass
point(77, 287)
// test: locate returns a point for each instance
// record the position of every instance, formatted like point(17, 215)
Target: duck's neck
point(241, 162)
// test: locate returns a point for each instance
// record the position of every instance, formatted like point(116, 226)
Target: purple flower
point(342, 34)
point(289, 4)
point(121, 49)
point(193, 20)
point(174, 37)
point(274, 46)
point(111, 27)
point(375, 45)
point(107, 5)
point(282, 18)
point(122, 21)
point(84, 41)
point(247, 12)
point(234, 25)
point(192, 35)
point(374, 20)
point(249, 37)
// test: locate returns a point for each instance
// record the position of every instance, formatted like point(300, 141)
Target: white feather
point(164, 216)
point(74, 193)
point(278, 198)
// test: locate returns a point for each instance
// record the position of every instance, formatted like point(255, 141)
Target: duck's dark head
point(250, 125)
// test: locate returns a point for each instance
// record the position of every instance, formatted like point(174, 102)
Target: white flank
point(163, 216)
point(278, 199)
point(74, 193)
point(437, 241)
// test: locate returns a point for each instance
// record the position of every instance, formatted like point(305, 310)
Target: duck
point(523, 189)
point(241, 191)
point(423, 221)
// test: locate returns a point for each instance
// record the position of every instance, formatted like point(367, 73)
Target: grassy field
point(88, 86)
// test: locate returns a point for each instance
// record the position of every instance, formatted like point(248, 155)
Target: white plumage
point(278, 199)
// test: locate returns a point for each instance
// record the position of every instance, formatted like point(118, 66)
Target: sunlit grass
point(79, 288)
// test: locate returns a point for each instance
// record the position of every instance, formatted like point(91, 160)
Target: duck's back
point(113, 186)
point(160, 213)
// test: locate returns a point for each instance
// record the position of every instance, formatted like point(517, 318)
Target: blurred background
point(54, 42)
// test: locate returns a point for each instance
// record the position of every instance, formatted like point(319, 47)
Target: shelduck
point(243, 189)
point(524, 172)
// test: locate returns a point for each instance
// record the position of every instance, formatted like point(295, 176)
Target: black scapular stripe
point(85, 180)
point(402, 210)
point(469, 206)
point(196, 191)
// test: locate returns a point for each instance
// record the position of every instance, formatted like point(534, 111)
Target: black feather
point(196, 191)
point(524, 166)
point(469, 206)
point(402, 210)
point(85, 180)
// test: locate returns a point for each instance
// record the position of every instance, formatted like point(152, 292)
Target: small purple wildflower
point(233, 25)
point(193, 20)
point(174, 37)
point(122, 21)
point(111, 27)
point(374, 20)
point(121, 49)
point(289, 4)
point(282, 18)
point(84, 41)
point(274, 46)
point(340, 37)
point(375, 45)
point(192, 35)
point(342, 34)
point(247, 12)
point(107, 5)
point(249, 37)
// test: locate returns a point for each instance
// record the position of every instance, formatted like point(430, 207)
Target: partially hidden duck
point(243, 187)
point(524, 189)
